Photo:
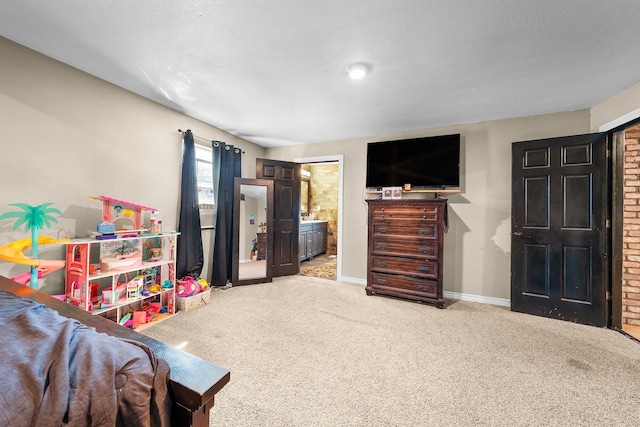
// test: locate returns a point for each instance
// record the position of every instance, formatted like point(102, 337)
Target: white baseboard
point(353, 280)
point(453, 295)
point(478, 298)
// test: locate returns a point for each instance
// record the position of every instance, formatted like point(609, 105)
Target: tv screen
point(429, 162)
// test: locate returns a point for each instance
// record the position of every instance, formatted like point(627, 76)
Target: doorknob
point(520, 234)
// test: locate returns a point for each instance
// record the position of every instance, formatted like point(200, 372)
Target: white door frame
point(340, 159)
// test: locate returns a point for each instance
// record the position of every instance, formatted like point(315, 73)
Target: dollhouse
point(124, 215)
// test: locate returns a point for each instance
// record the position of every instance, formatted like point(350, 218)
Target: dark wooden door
point(286, 221)
point(559, 238)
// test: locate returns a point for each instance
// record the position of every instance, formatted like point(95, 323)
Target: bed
point(61, 365)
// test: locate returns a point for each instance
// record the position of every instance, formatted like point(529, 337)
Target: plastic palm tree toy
point(34, 218)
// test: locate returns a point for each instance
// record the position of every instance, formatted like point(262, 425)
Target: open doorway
point(626, 310)
point(321, 208)
point(624, 133)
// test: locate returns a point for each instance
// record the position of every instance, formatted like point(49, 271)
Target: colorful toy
point(125, 215)
point(106, 227)
point(155, 223)
point(203, 283)
point(106, 230)
point(120, 255)
point(34, 218)
point(125, 319)
point(154, 254)
point(188, 286)
point(134, 287)
point(150, 276)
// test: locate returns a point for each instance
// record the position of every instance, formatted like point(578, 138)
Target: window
point(204, 175)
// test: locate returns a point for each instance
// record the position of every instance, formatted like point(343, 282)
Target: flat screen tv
point(429, 162)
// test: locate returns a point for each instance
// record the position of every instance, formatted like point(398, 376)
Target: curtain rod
point(204, 139)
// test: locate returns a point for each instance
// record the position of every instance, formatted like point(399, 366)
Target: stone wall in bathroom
point(324, 199)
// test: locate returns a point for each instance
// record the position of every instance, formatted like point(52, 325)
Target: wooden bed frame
point(193, 381)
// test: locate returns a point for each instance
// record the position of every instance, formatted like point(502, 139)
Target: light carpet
point(305, 351)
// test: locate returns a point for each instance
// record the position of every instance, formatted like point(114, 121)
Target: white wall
point(65, 135)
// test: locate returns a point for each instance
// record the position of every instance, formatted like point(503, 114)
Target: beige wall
point(625, 104)
point(65, 135)
point(477, 246)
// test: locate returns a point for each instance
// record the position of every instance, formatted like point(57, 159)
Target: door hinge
point(608, 296)
point(608, 223)
point(608, 153)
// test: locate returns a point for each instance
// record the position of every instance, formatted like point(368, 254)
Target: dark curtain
point(190, 257)
point(226, 166)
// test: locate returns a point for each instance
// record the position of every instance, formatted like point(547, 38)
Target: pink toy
point(188, 286)
point(127, 214)
point(13, 252)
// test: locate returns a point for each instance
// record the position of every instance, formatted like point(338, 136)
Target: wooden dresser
point(405, 248)
point(261, 244)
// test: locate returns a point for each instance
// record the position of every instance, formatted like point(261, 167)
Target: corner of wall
point(621, 108)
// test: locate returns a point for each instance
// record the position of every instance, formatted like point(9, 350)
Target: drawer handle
point(381, 281)
point(424, 269)
point(424, 250)
point(381, 247)
point(424, 209)
point(424, 231)
point(381, 264)
point(382, 229)
point(424, 217)
point(382, 209)
point(424, 288)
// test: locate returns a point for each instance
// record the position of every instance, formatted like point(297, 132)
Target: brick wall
point(324, 199)
point(631, 228)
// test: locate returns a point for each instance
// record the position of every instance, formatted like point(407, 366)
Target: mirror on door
point(253, 219)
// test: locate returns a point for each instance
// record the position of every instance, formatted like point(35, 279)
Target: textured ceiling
point(273, 71)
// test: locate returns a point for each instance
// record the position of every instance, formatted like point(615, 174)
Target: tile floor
point(320, 266)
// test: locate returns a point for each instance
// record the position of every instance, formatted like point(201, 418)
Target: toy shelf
point(119, 234)
point(129, 301)
point(111, 277)
point(158, 318)
point(145, 265)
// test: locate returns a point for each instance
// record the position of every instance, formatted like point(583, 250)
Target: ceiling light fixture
point(359, 70)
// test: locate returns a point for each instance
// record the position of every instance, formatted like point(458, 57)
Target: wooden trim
point(617, 227)
point(193, 382)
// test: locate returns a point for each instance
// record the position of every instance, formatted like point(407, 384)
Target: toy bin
point(194, 301)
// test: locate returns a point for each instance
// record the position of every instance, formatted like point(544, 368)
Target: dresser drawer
point(389, 282)
point(405, 248)
point(405, 266)
point(430, 213)
point(405, 229)
point(424, 249)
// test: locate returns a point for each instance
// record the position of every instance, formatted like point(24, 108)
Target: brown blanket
point(55, 371)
